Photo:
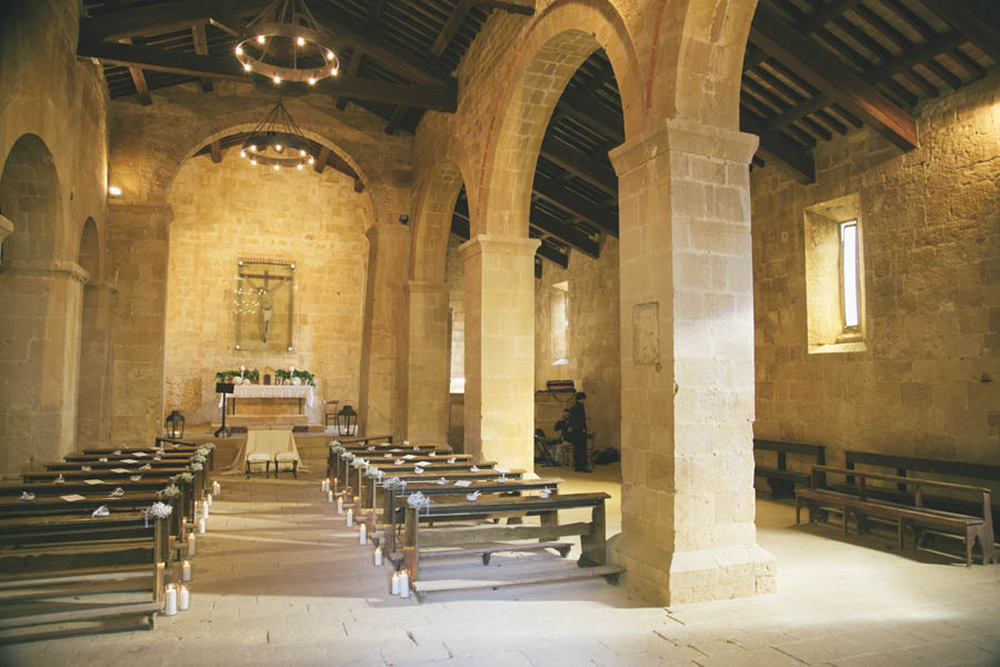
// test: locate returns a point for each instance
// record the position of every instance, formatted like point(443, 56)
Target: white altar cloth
point(275, 391)
point(266, 441)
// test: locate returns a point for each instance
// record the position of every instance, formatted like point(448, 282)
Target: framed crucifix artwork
point(264, 305)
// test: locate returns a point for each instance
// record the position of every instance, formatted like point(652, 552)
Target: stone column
point(137, 250)
point(427, 372)
point(687, 367)
point(500, 349)
point(380, 405)
point(40, 362)
point(94, 405)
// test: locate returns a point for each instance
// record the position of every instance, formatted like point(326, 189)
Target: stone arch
point(33, 320)
point(93, 401)
point(550, 52)
point(696, 61)
point(434, 207)
point(30, 198)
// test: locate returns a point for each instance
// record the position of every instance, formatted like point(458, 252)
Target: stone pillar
point(381, 402)
point(429, 354)
point(40, 362)
point(688, 530)
point(500, 349)
point(94, 404)
point(137, 250)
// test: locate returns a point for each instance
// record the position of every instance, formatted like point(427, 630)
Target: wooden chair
point(330, 409)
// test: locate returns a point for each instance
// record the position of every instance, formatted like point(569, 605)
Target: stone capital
point(6, 228)
point(53, 269)
point(498, 245)
point(684, 136)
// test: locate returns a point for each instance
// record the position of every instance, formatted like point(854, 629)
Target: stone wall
point(230, 210)
point(927, 382)
point(594, 360)
point(53, 156)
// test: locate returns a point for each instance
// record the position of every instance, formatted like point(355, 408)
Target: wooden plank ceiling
point(814, 69)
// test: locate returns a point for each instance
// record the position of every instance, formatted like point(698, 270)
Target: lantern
point(347, 421)
point(175, 425)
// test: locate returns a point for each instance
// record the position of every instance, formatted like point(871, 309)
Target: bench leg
point(594, 544)
point(899, 533)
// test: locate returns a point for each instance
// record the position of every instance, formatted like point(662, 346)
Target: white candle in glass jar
point(186, 571)
point(404, 584)
point(350, 518)
point(202, 525)
point(192, 546)
point(183, 598)
point(170, 601)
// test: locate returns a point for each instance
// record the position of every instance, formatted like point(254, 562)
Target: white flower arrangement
point(208, 445)
point(198, 458)
point(418, 500)
point(347, 456)
point(170, 491)
point(160, 510)
point(392, 483)
point(203, 452)
point(196, 467)
point(183, 478)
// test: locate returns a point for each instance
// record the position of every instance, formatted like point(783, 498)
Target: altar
point(271, 394)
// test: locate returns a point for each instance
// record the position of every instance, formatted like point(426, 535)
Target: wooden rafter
point(575, 205)
point(352, 72)
point(321, 159)
point(976, 19)
point(832, 79)
point(776, 147)
point(215, 150)
point(139, 81)
point(580, 165)
point(570, 236)
point(201, 48)
point(439, 97)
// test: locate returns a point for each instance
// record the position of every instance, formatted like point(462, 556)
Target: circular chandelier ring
point(277, 72)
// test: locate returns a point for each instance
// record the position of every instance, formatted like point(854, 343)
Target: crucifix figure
point(266, 301)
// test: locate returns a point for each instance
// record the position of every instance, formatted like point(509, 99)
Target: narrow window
point(850, 297)
point(560, 323)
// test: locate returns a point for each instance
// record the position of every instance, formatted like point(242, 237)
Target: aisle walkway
point(279, 580)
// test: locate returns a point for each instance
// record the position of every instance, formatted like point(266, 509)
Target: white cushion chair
point(258, 458)
point(287, 458)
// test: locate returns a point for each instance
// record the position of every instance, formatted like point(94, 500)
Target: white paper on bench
point(141, 454)
point(501, 470)
point(93, 482)
point(463, 482)
point(409, 456)
point(121, 471)
point(73, 498)
point(129, 461)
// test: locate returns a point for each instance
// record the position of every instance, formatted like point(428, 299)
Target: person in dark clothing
point(562, 426)
point(578, 433)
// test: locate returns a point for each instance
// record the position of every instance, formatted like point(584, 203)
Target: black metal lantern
point(175, 425)
point(347, 421)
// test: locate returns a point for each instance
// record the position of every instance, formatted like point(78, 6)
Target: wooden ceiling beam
point(824, 14)
point(394, 121)
point(352, 73)
point(583, 109)
point(321, 159)
point(447, 33)
point(201, 48)
point(553, 255)
point(975, 19)
point(832, 79)
point(777, 147)
point(551, 226)
point(584, 209)
point(441, 98)
point(359, 185)
point(580, 165)
point(215, 150)
point(524, 8)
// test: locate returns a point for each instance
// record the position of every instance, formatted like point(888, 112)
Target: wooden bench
point(55, 575)
point(334, 459)
point(956, 471)
point(366, 487)
point(394, 499)
point(490, 538)
point(782, 480)
point(857, 500)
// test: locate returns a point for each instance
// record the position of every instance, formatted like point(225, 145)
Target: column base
point(686, 577)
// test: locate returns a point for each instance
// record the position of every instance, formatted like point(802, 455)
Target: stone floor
point(279, 580)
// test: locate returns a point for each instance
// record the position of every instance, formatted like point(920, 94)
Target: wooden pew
point(971, 529)
point(955, 471)
point(434, 469)
point(394, 500)
point(334, 462)
point(782, 480)
point(59, 570)
point(460, 541)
